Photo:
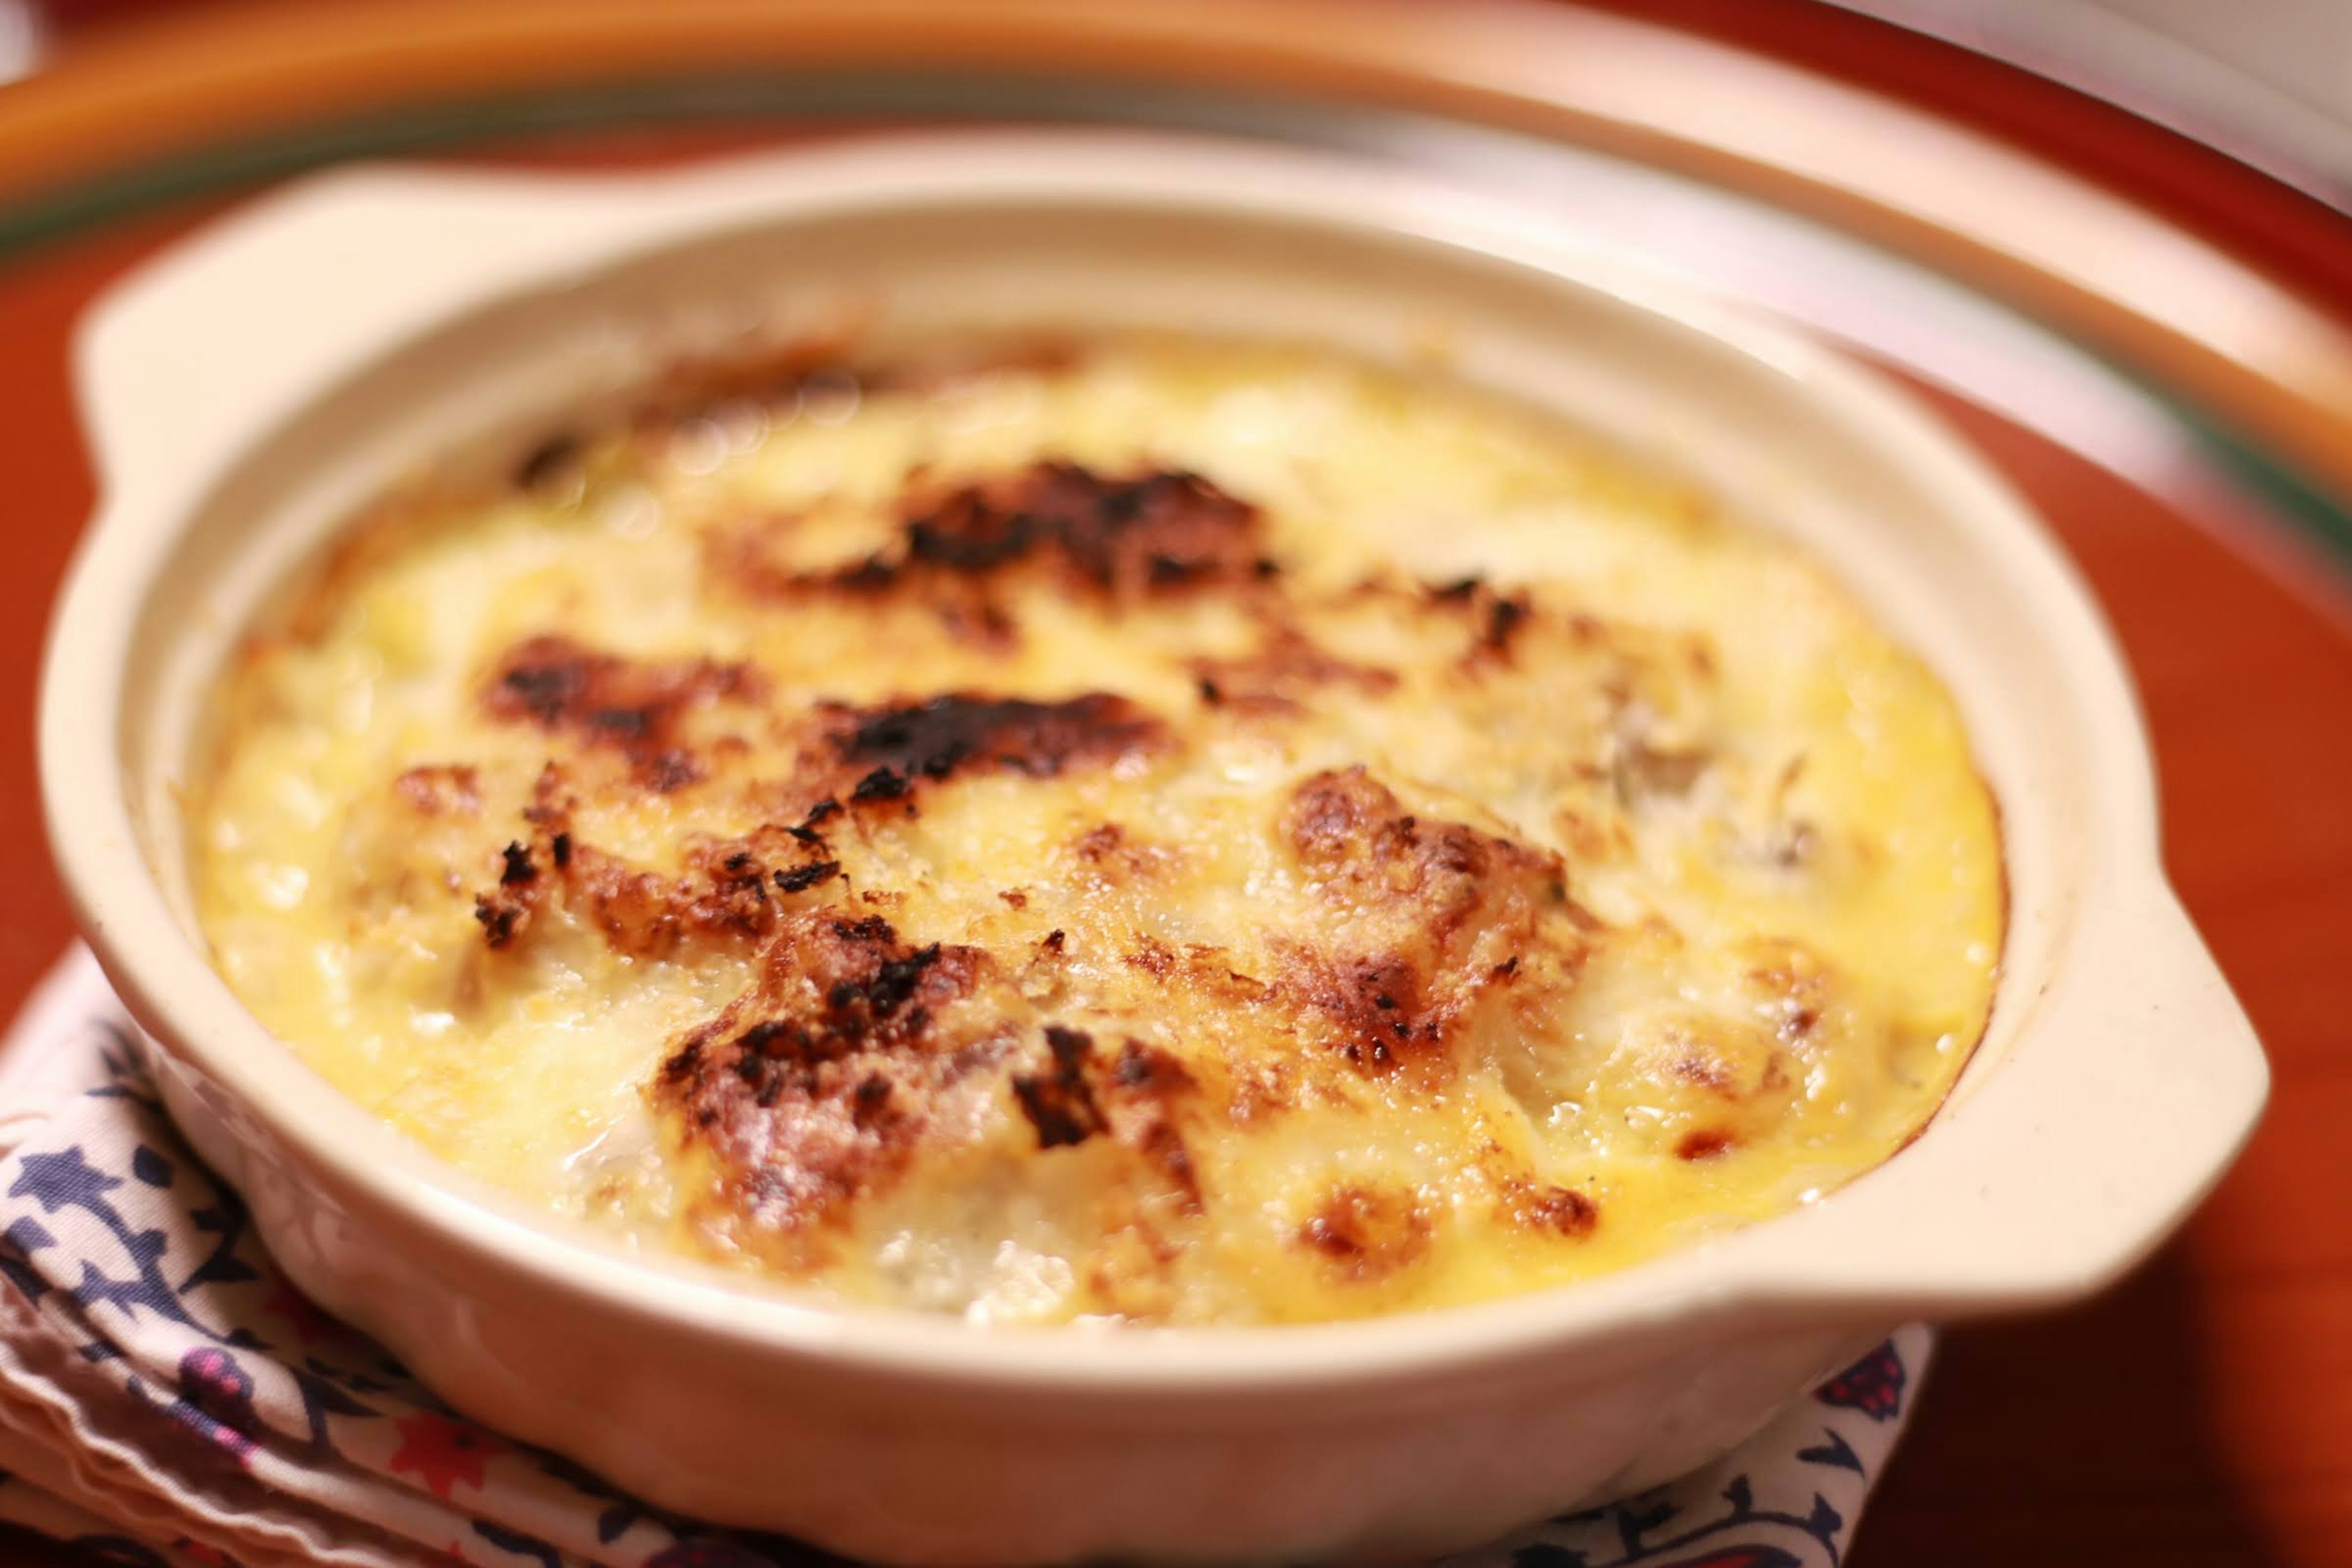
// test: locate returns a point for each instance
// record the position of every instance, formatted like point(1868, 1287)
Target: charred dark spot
point(560, 848)
point(971, 539)
point(507, 909)
point(1457, 591)
point(688, 1055)
point(765, 1038)
point(962, 731)
point(553, 462)
point(894, 981)
point(800, 878)
point(882, 784)
point(867, 1003)
point(815, 1085)
point(1055, 940)
point(870, 1100)
point(1210, 692)
point(1071, 1048)
point(1505, 615)
point(874, 572)
point(1496, 617)
point(1060, 1104)
point(632, 707)
point(739, 873)
point(500, 920)
point(1155, 532)
point(544, 689)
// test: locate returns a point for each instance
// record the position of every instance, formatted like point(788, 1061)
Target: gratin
point(1158, 830)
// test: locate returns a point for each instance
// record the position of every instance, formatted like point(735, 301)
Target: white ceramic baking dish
point(249, 390)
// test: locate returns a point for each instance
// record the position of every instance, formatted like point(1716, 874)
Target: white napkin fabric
point(167, 1399)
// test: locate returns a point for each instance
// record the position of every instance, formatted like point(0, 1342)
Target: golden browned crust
point(1368, 1232)
point(441, 790)
point(1440, 912)
point(815, 1086)
point(816, 1089)
point(1561, 1210)
point(1082, 847)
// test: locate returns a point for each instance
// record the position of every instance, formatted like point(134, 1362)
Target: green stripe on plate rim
point(49, 216)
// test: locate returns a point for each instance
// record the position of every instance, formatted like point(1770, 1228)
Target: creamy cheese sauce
point(1171, 832)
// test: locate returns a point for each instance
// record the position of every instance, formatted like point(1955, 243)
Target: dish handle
point(251, 316)
point(2127, 1091)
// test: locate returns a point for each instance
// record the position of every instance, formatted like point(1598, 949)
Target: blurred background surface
point(2107, 240)
point(2267, 82)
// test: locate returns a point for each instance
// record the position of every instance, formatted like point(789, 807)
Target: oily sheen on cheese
point(1166, 832)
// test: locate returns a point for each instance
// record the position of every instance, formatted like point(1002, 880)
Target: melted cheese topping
point(1176, 833)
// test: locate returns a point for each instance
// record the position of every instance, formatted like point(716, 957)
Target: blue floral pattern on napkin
point(168, 1399)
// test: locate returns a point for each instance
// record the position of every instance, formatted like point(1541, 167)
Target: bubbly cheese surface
point(1164, 832)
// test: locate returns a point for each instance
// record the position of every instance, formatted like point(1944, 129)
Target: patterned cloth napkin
point(167, 1399)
